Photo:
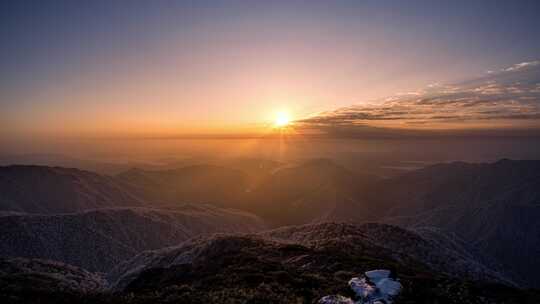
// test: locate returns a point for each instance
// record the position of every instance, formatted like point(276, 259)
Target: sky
point(502, 102)
point(90, 69)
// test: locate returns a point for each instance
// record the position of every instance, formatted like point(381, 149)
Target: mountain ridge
point(42, 189)
point(98, 239)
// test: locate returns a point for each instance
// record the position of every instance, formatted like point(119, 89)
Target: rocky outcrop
point(374, 287)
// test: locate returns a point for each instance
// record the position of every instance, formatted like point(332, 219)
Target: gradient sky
point(115, 68)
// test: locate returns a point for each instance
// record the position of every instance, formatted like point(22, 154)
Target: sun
point(282, 120)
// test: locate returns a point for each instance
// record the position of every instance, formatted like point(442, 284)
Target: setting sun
point(282, 119)
point(254, 145)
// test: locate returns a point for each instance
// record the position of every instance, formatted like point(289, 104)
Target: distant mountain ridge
point(192, 184)
point(307, 192)
point(41, 189)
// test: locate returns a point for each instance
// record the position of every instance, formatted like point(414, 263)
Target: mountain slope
point(43, 275)
point(443, 256)
point(295, 265)
point(193, 184)
point(41, 281)
point(40, 189)
point(286, 265)
point(99, 239)
point(305, 193)
point(493, 207)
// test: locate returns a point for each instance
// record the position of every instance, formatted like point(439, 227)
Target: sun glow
point(282, 120)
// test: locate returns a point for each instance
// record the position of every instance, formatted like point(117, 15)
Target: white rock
point(375, 287)
point(361, 287)
point(335, 299)
point(377, 275)
point(389, 287)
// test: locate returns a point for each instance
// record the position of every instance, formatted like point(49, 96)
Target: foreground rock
point(375, 287)
point(335, 299)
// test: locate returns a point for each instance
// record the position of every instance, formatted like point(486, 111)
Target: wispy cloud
point(523, 65)
point(501, 99)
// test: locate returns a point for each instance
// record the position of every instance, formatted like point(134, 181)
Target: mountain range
point(450, 225)
point(287, 265)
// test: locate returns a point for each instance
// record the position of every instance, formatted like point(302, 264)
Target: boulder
point(335, 299)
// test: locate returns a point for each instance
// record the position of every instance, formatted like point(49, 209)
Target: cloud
point(523, 65)
point(507, 98)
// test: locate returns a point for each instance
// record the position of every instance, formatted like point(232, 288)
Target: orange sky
point(189, 70)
